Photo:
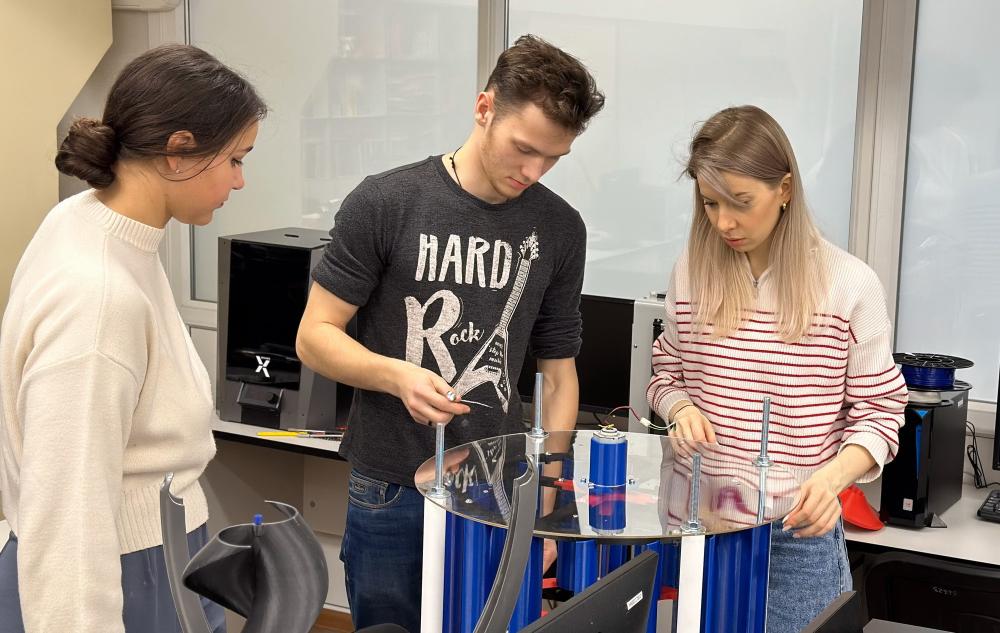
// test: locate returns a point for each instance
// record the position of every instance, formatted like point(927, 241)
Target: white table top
point(967, 537)
point(250, 431)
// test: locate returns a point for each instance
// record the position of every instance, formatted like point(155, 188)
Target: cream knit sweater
point(102, 393)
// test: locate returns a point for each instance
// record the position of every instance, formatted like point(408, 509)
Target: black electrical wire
point(978, 472)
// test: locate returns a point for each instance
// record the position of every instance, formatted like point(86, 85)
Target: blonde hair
point(746, 141)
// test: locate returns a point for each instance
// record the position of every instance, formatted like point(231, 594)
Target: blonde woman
point(761, 305)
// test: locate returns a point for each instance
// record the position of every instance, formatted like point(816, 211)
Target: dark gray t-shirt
point(455, 285)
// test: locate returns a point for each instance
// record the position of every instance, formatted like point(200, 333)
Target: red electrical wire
point(616, 409)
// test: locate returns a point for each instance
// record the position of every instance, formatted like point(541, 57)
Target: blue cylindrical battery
point(608, 448)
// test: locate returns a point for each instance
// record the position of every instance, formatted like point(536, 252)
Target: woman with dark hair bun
point(101, 390)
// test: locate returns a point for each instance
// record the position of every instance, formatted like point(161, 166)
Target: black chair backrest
point(933, 593)
point(843, 615)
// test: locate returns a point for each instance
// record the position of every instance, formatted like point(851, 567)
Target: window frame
point(885, 79)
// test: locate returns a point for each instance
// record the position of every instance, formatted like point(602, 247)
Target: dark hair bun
point(88, 152)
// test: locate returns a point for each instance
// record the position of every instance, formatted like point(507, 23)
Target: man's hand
point(427, 397)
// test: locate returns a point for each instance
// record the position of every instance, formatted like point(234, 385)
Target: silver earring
point(179, 171)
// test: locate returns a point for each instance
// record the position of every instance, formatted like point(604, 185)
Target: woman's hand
point(689, 423)
point(818, 507)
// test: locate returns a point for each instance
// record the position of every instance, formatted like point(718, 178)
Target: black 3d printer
point(925, 478)
point(264, 281)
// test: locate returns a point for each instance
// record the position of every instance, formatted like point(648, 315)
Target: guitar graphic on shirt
point(489, 365)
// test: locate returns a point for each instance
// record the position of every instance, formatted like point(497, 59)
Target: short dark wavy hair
point(534, 71)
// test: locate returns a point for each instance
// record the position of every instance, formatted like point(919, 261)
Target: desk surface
point(247, 433)
point(967, 537)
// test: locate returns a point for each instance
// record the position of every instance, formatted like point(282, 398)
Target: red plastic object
point(668, 593)
point(857, 511)
point(549, 583)
point(564, 484)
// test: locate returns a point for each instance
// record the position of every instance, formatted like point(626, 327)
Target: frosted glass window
point(665, 67)
point(949, 278)
point(355, 87)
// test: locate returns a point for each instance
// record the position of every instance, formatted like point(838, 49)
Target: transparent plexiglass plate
point(653, 501)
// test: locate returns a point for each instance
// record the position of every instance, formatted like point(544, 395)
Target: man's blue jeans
point(382, 552)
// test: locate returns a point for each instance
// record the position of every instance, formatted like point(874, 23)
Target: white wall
point(48, 48)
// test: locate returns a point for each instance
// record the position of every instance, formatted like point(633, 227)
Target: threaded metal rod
point(439, 459)
point(761, 495)
point(536, 429)
point(763, 459)
point(693, 524)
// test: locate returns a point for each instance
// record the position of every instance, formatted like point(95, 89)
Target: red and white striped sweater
point(836, 386)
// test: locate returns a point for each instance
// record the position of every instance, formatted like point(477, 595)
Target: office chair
point(939, 594)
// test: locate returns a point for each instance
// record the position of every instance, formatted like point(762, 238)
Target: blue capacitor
point(607, 509)
point(608, 448)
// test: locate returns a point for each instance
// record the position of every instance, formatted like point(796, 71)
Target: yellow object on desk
point(300, 433)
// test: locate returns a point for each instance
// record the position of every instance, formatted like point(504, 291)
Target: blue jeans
point(382, 552)
point(805, 575)
point(147, 604)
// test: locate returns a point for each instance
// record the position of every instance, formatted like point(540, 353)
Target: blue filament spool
point(931, 372)
point(929, 377)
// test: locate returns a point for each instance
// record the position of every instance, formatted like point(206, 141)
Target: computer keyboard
point(990, 510)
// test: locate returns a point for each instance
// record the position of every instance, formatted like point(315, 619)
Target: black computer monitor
point(604, 363)
point(843, 615)
point(618, 602)
point(996, 432)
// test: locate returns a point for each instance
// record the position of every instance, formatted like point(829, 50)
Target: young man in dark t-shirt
point(453, 265)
